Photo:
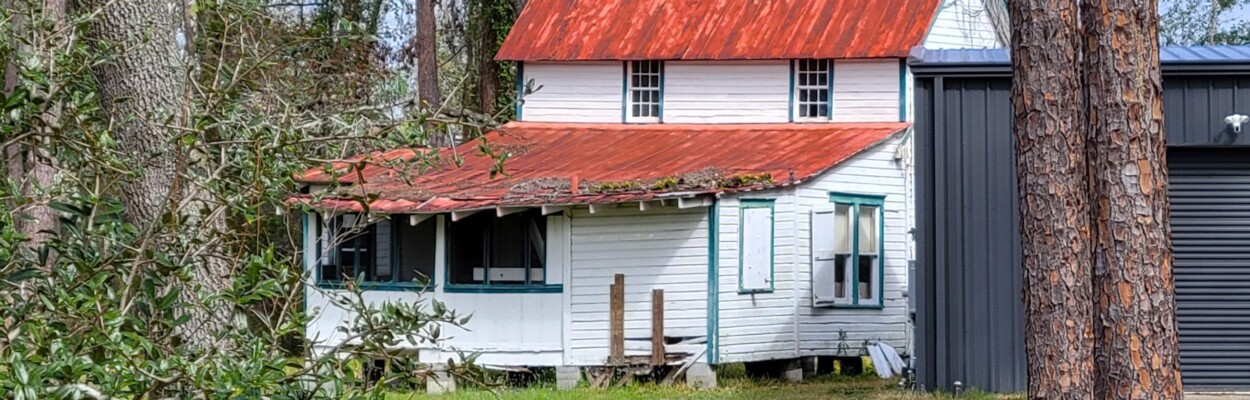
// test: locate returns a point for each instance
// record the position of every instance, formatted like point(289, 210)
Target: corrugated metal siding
point(970, 325)
point(966, 194)
point(1210, 195)
point(1195, 107)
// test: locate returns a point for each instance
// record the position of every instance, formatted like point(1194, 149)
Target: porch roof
point(566, 164)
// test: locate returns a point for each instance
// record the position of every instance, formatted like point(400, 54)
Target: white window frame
point(649, 97)
point(805, 81)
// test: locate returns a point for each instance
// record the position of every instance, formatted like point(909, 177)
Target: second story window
point(644, 94)
point(811, 90)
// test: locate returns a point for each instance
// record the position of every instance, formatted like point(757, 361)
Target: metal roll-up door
point(1210, 195)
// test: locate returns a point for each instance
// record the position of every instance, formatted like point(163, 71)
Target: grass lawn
point(731, 387)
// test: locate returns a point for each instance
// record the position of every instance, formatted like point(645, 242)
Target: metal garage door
point(1210, 193)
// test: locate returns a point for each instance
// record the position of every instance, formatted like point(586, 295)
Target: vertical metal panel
point(1194, 107)
point(969, 324)
point(1210, 193)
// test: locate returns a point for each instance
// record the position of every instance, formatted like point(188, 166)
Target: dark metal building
point(970, 322)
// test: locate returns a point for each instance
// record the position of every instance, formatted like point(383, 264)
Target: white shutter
point(757, 243)
point(823, 269)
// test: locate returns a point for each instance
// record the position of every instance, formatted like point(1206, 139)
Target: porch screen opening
point(508, 251)
point(376, 252)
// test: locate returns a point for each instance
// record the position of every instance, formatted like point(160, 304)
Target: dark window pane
point(634, 79)
point(824, 96)
point(865, 272)
point(803, 95)
point(468, 248)
point(655, 81)
point(636, 95)
point(839, 276)
point(802, 79)
point(637, 111)
point(822, 79)
point(824, 111)
point(655, 111)
point(416, 250)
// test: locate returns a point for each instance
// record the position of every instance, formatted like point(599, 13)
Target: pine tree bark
point(142, 88)
point(1135, 317)
point(29, 162)
point(1052, 171)
point(427, 54)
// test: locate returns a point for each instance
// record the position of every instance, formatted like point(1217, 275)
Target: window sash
point(866, 217)
point(813, 90)
point(644, 91)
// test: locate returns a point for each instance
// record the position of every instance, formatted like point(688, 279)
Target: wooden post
point(657, 327)
point(617, 322)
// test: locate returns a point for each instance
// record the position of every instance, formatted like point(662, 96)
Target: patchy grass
point(733, 386)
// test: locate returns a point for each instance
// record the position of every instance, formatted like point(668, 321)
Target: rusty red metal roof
point(568, 30)
point(555, 164)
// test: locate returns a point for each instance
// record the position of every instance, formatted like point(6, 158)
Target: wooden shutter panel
point(757, 244)
point(823, 269)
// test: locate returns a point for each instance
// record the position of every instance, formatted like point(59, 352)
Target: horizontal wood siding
point(865, 90)
point(662, 248)
point(574, 92)
point(962, 24)
point(874, 172)
point(758, 326)
point(727, 92)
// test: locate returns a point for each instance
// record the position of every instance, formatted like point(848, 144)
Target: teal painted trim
point(856, 200)
point(858, 306)
point(520, 88)
point(317, 262)
point(624, 91)
point(792, 70)
point(380, 286)
point(503, 289)
point(304, 231)
point(661, 92)
point(832, 66)
point(902, 90)
point(770, 204)
point(713, 280)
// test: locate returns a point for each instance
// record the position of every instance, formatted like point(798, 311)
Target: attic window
point(644, 92)
point(812, 80)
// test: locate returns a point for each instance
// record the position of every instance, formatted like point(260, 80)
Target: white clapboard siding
point(757, 326)
point(573, 92)
point(866, 90)
point(962, 24)
point(506, 328)
point(726, 92)
point(661, 248)
point(874, 172)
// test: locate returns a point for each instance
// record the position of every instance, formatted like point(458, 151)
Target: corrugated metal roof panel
point(606, 163)
point(1173, 55)
point(569, 30)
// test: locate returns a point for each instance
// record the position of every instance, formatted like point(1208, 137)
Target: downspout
point(713, 282)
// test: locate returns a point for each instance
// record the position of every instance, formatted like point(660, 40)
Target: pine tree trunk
point(427, 54)
point(488, 72)
point(29, 162)
point(1053, 182)
point(1135, 316)
point(141, 88)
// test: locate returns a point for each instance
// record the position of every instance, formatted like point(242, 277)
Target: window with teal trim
point(847, 251)
point(812, 88)
point(645, 91)
point(489, 252)
point(378, 253)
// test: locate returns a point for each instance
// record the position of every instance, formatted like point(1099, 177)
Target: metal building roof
point(1168, 56)
point(557, 164)
point(581, 30)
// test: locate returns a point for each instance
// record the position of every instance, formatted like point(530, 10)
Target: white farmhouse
point(744, 157)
